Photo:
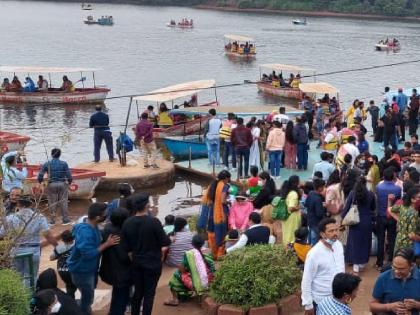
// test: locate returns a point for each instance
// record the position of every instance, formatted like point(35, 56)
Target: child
point(253, 187)
point(300, 246)
point(231, 238)
point(239, 213)
point(169, 224)
point(60, 253)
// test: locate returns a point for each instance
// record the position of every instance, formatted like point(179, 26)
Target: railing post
point(189, 158)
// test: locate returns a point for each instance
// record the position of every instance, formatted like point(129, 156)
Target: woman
point(290, 147)
point(181, 242)
point(274, 146)
point(45, 303)
point(239, 214)
point(115, 264)
point(291, 193)
point(267, 191)
point(408, 220)
point(218, 213)
point(194, 274)
point(254, 155)
point(389, 159)
point(164, 120)
point(351, 112)
point(360, 235)
point(262, 141)
point(12, 176)
point(334, 197)
point(373, 178)
point(349, 179)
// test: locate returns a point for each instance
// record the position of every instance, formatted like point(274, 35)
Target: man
point(143, 238)
point(415, 142)
point(373, 110)
point(300, 136)
point(325, 167)
point(12, 176)
point(225, 134)
point(25, 227)
point(255, 234)
point(345, 287)
point(415, 156)
point(386, 226)
point(151, 115)
point(100, 122)
point(323, 262)
point(67, 85)
point(59, 179)
point(42, 84)
point(11, 202)
point(211, 133)
point(307, 106)
point(330, 140)
point(144, 135)
point(282, 117)
point(391, 129)
point(348, 148)
point(83, 262)
point(316, 211)
point(405, 152)
point(29, 85)
point(242, 140)
point(402, 100)
point(413, 113)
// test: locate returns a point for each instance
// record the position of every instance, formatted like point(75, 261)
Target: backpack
point(280, 211)
point(62, 260)
point(124, 141)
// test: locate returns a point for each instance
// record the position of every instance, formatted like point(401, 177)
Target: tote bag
point(352, 217)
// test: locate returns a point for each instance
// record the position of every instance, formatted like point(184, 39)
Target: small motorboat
point(86, 6)
point(387, 47)
point(82, 187)
point(299, 22)
point(185, 23)
point(105, 20)
point(181, 147)
point(12, 142)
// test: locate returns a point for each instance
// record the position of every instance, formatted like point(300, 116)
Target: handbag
point(352, 217)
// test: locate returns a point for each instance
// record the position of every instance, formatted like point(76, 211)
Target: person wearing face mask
point(83, 262)
point(180, 242)
point(323, 262)
point(45, 303)
point(397, 291)
point(345, 287)
point(267, 191)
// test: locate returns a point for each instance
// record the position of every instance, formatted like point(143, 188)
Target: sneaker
point(155, 166)
point(146, 166)
point(66, 222)
point(234, 169)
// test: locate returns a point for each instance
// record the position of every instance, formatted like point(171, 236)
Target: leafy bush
point(14, 296)
point(256, 276)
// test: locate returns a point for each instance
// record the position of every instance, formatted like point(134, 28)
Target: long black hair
point(350, 179)
point(269, 182)
point(410, 194)
point(211, 194)
point(291, 184)
point(289, 132)
point(360, 191)
point(334, 178)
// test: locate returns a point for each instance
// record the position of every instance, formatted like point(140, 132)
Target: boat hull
point(298, 23)
point(82, 187)
point(238, 55)
point(179, 26)
point(12, 141)
point(188, 128)
point(284, 92)
point(79, 96)
point(180, 147)
point(381, 47)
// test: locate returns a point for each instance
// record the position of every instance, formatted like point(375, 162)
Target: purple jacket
point(144, 130)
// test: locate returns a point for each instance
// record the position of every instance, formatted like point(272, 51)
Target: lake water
point(139, 54)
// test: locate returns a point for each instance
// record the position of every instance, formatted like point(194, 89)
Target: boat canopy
point(239, 38)
point(318, 88)
point(176, 91)
point(24, 69)
point(242, 110)
point(281, 67)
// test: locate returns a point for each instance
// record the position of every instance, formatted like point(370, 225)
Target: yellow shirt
point(165, 119)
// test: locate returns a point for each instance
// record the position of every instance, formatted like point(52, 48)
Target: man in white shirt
point(348, 148)
point(211, 132)
point(256, 234)
point(282, 117)
point(323, 262)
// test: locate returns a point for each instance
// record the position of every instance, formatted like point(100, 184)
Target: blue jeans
point(391, 140)
point(313, 236)
point(213, 149)
point(98, 136)
point(86, 283)
point(22, 265)
point(243, 154)
point(275, 160)
point(302, 156)
point(228, 150)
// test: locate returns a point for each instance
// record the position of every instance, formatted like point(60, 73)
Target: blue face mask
point(187, 227)
point(329, 242)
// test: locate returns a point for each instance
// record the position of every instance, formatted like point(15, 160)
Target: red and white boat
point(12, 141)
point(273, 87)
point(82, 187)
point(171, 93)
point(80, 95)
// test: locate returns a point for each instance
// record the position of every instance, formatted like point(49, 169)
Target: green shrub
point(256, 276)
point(14, 296)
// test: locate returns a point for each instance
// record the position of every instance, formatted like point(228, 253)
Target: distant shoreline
point(310, 13)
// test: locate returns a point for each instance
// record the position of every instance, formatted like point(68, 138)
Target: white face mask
point(56, 308)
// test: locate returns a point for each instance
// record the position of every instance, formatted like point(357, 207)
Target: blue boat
point(179, 147)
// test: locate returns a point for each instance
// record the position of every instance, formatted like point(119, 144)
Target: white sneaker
point(234, 169)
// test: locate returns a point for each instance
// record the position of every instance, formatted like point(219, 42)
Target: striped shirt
point(178, 247)
point(330, 306)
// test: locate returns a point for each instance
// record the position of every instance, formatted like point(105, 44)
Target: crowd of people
point(236, 47)
point(279, 81)
point(30, 86)
point(183, 22)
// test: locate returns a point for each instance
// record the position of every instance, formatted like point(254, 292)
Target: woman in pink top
point(239, 213)
point(290, 149)
point(274, 146)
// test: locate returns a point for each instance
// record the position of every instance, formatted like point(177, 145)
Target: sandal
point(171, 302)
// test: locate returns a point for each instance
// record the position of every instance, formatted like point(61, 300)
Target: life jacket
point(332, 145)
point(165, 119)
point(226, 130)
point(275, 83)
point(345, 134)
point(339, 161)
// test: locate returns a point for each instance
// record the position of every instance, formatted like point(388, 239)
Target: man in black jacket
point(315, 209)
point(300, 135)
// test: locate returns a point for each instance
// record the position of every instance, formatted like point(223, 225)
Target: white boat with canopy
point(240, 46)
point(322, 91)
point(275, 84)
point(169, 124)
point(50, 94)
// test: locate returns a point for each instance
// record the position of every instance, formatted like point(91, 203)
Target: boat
point(387, 47)
point(273, 87)
point(299, 22)
point(86, 6)
point(105, 20)
point(171, 93)
point(319, 89)
point(82, 187)
point(181, 147)
point(240, 46)
point(185, 23)
point(12, 141)
point(80, 95)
